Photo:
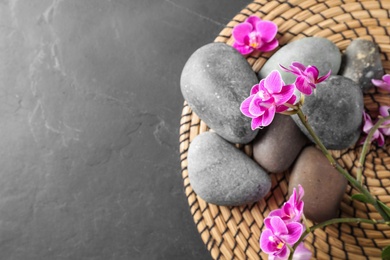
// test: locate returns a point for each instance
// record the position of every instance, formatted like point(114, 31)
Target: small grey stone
point(335, 112)
point(316, 51)
point(276, 147)
point(214, 81)
point(221, 174)
point(361, 62)
point(324, 186)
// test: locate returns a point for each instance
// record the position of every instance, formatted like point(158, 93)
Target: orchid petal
point(255, 89)
point(267, 29)
point(253, 20)
point(282, 254)
point(255, 107)
point(245, 106)
point(292, 70)
point(303, 86)
point(268, 116)
point(324, 77)
point(312, 71)
point(278, 226)
point(302, 253)
point(269, 46)
point(256, 122)
point(367, 123)
point(298, 65)
point(240, 31)
point(386, 78)
point(276, 213)
point(295, 230)
point(284, 95)
point(380, 139)
point(266, 244)
point(243, 49)
point(282, 108)
point(385, 130)
point(273, 82)
point(384, 110)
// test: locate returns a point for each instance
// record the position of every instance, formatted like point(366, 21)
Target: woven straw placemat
point(233, 232)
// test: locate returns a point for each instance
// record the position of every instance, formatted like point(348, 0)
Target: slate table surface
point(90, 107)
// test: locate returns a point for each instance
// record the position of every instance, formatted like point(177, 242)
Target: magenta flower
point(307, 77)
point(292, 210)
point(384, 83)
point(384, 111)
point(277, 235)
point(368, 124)
point(255, 34)
point(267, 98)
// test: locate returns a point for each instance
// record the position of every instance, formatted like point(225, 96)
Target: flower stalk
point(355, 183)
point(366, 146)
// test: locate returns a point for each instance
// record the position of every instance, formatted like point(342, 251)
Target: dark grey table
point(90, 107)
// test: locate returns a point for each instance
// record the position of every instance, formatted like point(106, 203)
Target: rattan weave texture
point(233, 232)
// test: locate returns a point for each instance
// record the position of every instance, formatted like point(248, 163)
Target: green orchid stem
point(366, 146)
point(335, 221)
point(356, 184)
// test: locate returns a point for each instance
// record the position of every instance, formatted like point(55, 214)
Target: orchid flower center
point(280, 245)
point(264, 94)
point(277, 241)
point(254, 40)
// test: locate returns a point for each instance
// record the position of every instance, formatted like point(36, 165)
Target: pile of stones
point(214, 82)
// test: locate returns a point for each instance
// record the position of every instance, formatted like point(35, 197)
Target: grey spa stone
point(214, 81)
point(324, 186)
point(223, 175)
point(277, 146)
point(361, 62)
point(335, 112)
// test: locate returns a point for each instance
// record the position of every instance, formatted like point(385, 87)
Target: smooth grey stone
point(316, 51)
point(361, 62)
point(324, 186)
point(335, 112)
point(277, 146)
point(223, 175)
point(215, 81)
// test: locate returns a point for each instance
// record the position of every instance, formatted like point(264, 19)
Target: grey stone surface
point(276, 146)
point(223, 175)
point(361, 62)
point(215, 81)
point(324, 186)
point(90, 110)
point(335, 112)
point(316, 51)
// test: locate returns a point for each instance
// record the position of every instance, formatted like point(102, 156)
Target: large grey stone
point(324, 186)
point(221, 174)
point(334, 112)
point(316, 51)
point(214, 81)
point(277, 146)
point(361, 62)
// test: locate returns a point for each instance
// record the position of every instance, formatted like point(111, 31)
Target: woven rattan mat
point(233, 232)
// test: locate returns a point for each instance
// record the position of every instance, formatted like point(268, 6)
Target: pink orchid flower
point(384, 83)
point(277, 235)
point(307, 77)
point(255, 34)
point(368, 124)
point(384, 111)
point(267, 98)
point(292, 210)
